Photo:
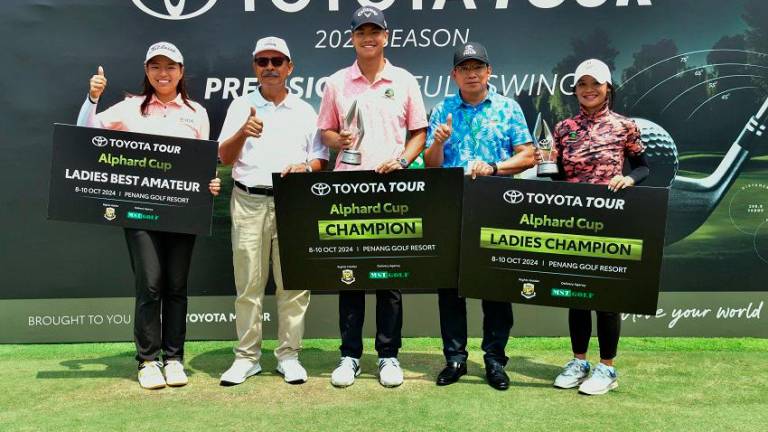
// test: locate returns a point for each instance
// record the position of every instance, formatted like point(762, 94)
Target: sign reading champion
point(375, 224)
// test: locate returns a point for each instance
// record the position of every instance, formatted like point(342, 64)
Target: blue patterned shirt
point(486, 132)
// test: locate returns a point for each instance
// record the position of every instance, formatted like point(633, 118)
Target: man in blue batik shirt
point(486, 134)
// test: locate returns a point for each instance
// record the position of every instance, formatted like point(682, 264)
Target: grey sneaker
point(603, 380)
point(573, 374)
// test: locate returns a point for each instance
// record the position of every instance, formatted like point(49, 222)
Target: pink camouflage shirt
point(390, 107)
point(593, 147)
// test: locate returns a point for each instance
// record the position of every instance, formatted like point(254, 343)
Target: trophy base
point(351, 157)
point(547, 169)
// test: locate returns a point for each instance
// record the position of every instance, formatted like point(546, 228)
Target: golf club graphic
point(691, 201)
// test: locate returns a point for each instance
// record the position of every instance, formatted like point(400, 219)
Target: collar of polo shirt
point(386, 74)
point(260, 102)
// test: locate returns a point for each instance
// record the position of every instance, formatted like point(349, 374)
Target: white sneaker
point(240, 370)
point(345, 373)
point(390, 373)
point(573, 374)
point(603, 380)
point(292, 371)
point(150, 375)
point(174, 374)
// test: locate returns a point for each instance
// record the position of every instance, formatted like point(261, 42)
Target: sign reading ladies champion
point(360, 230)
point(562, 244)
point(131, 180)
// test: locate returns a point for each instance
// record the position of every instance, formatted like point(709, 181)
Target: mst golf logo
point(99, 141)
point(321, 189)
point(173, 11)
point(513, 196)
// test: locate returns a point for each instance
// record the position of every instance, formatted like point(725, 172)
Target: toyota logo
point(513, 196)
point(99, 141)
point(174, 11)
point(321, 189)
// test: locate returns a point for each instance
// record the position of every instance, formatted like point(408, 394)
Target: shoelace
point(155, 363)
point(602, 372)
point(572, 368)
point(174, 365)
point(290, 364)
point(389, 362)
point(347, 360)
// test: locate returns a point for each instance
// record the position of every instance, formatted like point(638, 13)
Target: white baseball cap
point(594, 68)
point(164, 49)
point(272, 43)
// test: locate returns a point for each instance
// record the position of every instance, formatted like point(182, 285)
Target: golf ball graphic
point(660, 151)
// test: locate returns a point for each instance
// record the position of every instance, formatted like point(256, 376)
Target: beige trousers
point(254, 235)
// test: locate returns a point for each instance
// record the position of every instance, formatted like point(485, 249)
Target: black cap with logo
point(470, 51)
point(368, 15)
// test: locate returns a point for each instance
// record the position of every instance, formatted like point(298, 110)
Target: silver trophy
point(544, 142)
point(353, 122)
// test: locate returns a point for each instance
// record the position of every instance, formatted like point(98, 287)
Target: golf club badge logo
point(109, 214)
point(529, 291)
point(99, 141)
point(320, 189)
point(174, 11)
point(469, 50)
point(513, 196)
point(348, 276)
point(389, 93)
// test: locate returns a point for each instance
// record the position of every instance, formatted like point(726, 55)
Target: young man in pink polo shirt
point(390, 105)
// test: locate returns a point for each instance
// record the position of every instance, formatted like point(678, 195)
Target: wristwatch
point(308, 168)
point(495, 168)
point(404, 163)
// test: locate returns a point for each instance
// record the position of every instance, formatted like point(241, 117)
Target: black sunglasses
point(264, 61)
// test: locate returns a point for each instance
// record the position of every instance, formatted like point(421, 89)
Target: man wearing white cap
point(269, 130)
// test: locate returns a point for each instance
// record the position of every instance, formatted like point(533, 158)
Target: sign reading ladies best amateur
point(366, 231)
point(131, 180)
point(562, 244)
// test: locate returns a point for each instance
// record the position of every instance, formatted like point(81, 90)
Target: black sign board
point(131, 180)
point(366, 231)
point(562, 244)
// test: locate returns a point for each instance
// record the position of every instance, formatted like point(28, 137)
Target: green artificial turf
point(666, 384)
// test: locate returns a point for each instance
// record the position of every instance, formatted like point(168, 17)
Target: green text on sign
point(367, 229)
point(562, 244)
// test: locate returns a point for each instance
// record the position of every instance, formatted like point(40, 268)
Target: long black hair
point(147, 91)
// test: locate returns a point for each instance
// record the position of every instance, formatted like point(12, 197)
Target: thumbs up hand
point(97, 84)
point(253, 125)
point(444, 131)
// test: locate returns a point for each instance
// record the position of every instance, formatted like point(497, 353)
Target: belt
point(255, 190)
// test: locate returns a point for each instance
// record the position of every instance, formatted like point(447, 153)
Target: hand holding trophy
point(354, 129)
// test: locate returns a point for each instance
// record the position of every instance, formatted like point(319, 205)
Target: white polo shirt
point(289, 137)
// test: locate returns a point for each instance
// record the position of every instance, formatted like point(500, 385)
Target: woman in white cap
point(591, 148)
point(160, 260)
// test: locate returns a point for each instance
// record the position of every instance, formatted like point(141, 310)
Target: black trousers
point(160, 263)
point(497, 323)
point(608, 330)
point(389, 322)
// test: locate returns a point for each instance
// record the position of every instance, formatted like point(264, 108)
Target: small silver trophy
point(544, 142)
point(353, 122)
